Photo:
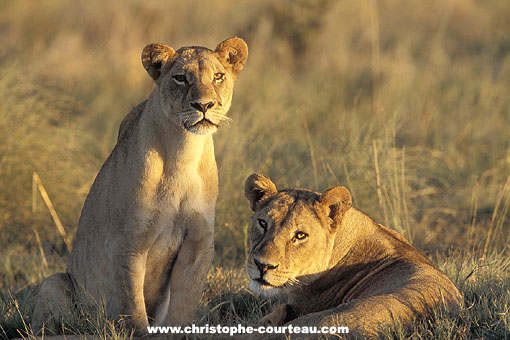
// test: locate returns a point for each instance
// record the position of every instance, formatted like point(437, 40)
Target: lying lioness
point(335, 264)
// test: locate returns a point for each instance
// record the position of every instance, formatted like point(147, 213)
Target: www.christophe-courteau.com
point(240, 329)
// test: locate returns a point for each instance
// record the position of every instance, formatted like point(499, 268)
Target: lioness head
point(195, 84)
point(292, 233)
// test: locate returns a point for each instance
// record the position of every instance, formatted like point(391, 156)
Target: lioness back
point(336, 266)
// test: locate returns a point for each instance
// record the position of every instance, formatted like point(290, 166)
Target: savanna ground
point(407, 103)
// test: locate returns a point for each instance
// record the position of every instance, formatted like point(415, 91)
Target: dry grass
point(405, 103)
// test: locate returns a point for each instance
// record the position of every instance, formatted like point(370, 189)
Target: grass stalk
point(51, 209)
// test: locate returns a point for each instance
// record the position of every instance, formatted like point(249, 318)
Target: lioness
point(145, 236)
point(335, 264)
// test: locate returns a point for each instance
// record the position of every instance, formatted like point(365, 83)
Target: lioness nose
point(263, 267)
point(203, 107)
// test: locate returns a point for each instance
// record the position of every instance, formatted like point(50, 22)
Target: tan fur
point(145, 236)
point(347, 271)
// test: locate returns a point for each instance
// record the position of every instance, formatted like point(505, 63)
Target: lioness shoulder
point(335, 264)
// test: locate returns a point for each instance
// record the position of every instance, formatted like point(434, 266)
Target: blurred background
point(406, 103)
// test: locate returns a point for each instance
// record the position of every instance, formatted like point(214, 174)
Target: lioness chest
point(167, 198)
point(169, 206)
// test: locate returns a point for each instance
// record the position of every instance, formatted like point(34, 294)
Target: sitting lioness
point(336, 266)
point(145, 236)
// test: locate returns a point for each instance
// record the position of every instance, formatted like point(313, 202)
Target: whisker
point(294, 282)
point(218, 114)
point(187, 113)
point(220, 117)
point(299, 282)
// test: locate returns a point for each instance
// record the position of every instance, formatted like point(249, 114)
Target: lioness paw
point(276, 318)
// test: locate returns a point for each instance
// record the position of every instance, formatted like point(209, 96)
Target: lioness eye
point(300, 235)
point(262, 223)
point(219, 76)
point(180, 79)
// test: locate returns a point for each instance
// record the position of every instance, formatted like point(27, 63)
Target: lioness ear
point(257, 189)
point(233, 54)
point(338, 200)
point(154, 57)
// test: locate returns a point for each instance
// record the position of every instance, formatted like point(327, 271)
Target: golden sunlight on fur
point(336, 266)
point(145, 236)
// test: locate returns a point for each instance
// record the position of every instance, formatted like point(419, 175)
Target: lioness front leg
point(190, 269)
point(130, 272)
point(362, 317)
point(280, 315)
